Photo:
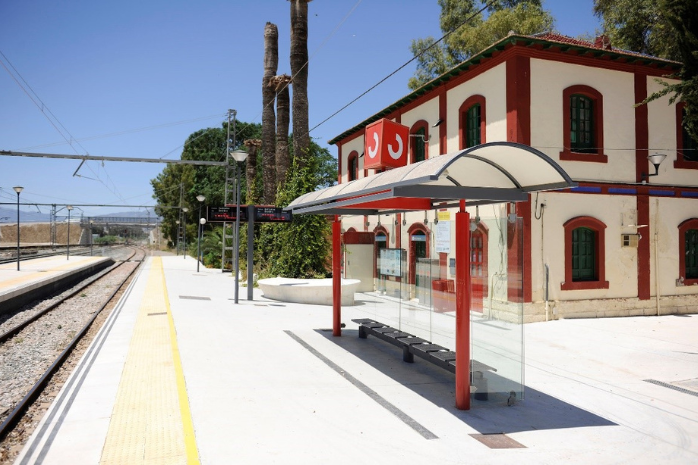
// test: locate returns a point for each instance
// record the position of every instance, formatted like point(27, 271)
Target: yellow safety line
point(187, 423)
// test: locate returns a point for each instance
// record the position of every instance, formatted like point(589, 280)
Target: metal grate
point(193, 297)
point(671, 386)
point(498, 441)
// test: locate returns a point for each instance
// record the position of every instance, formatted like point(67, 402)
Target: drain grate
point(193, 297)
point(671, 386)
point(498, 441)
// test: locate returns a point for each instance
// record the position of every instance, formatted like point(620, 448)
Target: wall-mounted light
point(656, 159)
point(438, 122)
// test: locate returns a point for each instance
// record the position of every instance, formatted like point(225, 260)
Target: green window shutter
point(473, 120)
point(583, 255)
point(353, 168)
point(582, 124)
point(419, 145)
point(691, 254)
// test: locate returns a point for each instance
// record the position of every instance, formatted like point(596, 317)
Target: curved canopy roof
point(489, 173)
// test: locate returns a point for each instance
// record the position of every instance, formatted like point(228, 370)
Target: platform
point(181, 374)
point(40, 277)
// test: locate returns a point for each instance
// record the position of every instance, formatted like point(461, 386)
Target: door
point(478, 268)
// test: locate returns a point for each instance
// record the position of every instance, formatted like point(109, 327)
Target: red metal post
point(463, 309)
point(336, 277)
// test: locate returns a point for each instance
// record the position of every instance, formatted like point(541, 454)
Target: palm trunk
point(299, 71)
point(283, 109)
point(271, 62)
point(253, 146)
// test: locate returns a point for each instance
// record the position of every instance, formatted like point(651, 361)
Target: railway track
point(34, 349)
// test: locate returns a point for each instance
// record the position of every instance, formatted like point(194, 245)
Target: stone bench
point(307, 291)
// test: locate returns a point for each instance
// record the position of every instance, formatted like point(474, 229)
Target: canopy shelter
point(485, 174)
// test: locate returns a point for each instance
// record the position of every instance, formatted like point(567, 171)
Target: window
point(419, 138)
point(688, 251)
point(687, 155)
point(585, 266)
point(473, 126)
point(471, 122)
point(582, 125)
point(353, 165)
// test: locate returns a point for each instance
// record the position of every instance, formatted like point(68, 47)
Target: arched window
point(688, 251)
point(353, 165)
point(471, 122)
point(686, 150)
point(419, 248)
point(582, 118)
point(585, 254)
point(419, 137)
point(381, 242)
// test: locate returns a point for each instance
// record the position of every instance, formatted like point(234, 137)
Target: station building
point(623, 242)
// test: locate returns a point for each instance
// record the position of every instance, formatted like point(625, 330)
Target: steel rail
point(16, 414)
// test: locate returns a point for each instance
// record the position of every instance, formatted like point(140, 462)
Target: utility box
point(629, 240)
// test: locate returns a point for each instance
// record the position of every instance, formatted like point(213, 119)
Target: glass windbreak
point(412, 287)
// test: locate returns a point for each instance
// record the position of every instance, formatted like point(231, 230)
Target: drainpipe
point(547, 274)
point(656, 253)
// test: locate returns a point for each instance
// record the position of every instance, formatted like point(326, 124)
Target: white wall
point(429, 112)
point(548, 80)
point(492, 85)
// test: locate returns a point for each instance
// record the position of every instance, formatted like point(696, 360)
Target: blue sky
point(135, 78)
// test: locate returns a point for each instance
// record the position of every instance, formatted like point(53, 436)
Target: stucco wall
point(548, 81)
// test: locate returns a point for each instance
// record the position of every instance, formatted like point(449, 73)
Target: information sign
point(391, 261)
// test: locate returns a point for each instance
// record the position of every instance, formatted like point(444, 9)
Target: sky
point(135, 78)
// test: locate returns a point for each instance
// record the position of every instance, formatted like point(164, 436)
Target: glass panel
point(692, 254)
point(581, 124)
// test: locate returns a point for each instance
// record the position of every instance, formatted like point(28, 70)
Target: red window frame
point(567, 154)
point(421, 124)
point(353, 156)
point(599, 229)
point(680, 162)
point(463, 119)
point(683, 227)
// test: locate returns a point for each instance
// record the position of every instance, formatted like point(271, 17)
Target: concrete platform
point(265, 382)
point(41, 277)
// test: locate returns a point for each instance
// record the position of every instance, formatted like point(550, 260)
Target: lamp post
point(184, 232)
point(69, 207)
point(18, 189)
point(239, 156)
point(201, 199)
point(177, 245)
point(199, 258)
point(91, 238)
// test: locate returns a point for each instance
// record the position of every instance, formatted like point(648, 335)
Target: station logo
point(385, 144)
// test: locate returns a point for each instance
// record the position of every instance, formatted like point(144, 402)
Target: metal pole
point(250, 252)
point(68, 241)
point(18, 190)
point(91, 238)
point(336, 277)
point(462, 308)
point(237, 231)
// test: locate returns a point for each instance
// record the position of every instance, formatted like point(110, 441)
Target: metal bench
point(412, 345)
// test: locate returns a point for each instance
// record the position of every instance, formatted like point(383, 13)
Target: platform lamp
point(18, 189)
point(199, 258)
point(656, 159)
point(69, 207)
point(184, 231)
point(201, 199)
point(177, 245)
point(238, 156)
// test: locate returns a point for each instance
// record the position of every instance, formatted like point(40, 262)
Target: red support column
point(463, 309)
point(336, 277)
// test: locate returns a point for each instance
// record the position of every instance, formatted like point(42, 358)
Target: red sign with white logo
point(385, 144)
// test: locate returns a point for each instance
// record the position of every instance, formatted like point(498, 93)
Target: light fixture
point(200, 226)
point(438, 122)
point(18, 189)
point(69, 207)
point(656, 159)
point(239, 156)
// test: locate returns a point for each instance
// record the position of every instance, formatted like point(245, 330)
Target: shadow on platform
point(538, 410)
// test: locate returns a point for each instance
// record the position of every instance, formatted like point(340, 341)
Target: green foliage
point(300, 249)
point(665, 29)
point(107, 240)
point(472, 32)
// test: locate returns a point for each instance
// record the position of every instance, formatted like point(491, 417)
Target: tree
point(271, 62)
point(281, 84)
point(666, 29)
point(299, 74)
point(469, 33)
point(638, 25)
